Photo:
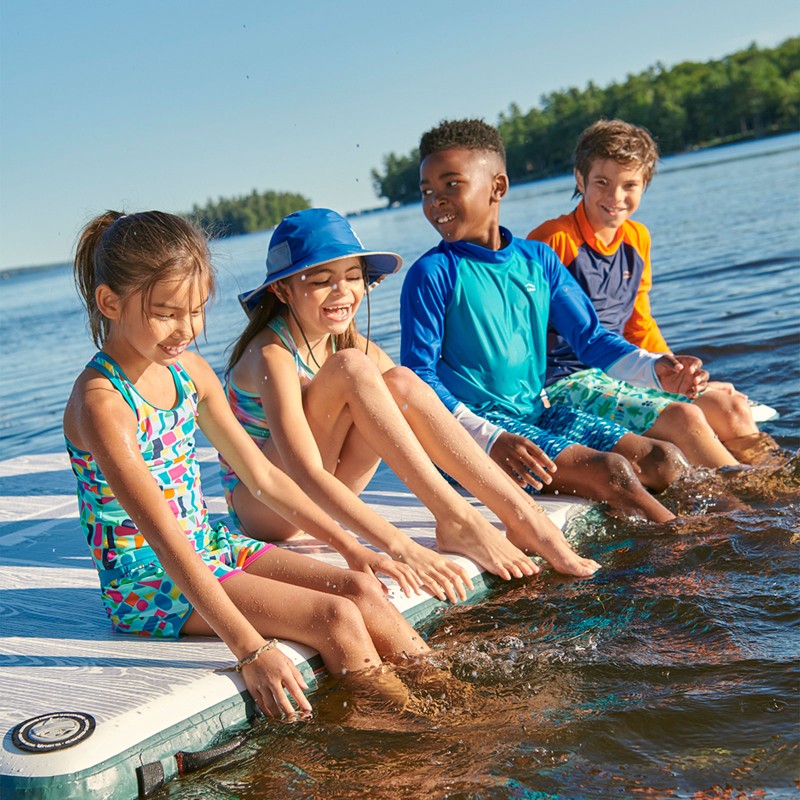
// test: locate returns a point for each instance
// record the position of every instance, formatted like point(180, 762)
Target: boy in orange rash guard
point(609, 255)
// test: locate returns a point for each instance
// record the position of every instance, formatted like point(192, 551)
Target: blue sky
point(163, 105)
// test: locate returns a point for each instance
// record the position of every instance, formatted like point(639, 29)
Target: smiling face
point(461, 192)
point(156, 328)
point(611, 193)
point(325, 299)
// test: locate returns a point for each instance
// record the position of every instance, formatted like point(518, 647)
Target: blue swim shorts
point(558, 427)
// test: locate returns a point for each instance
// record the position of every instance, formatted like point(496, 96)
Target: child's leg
point(590, 453)
point(727, 411)
point(354, 465)
point(648, 412)
point(387, 627)
point(349, 391)
point(657, 464)
point(607, 477)
point(331, 624)
point(685, 425)
point(449, 445)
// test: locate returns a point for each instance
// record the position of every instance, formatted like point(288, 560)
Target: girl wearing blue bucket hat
point(325, 404)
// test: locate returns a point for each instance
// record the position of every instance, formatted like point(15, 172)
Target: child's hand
point(363, 559)
point(440, 576)
point(522, 460)
point(269, 677)
point(682, 375)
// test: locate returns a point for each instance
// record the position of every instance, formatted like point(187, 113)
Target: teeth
point(447, 218)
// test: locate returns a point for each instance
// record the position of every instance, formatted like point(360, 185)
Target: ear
point(108, 301)
point(277, 290)
point(499, 186)
point(579, 182)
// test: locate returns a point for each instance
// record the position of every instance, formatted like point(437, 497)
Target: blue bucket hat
point(310, 238)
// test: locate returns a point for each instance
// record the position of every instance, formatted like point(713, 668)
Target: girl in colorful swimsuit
point(164, 569)
point(325, 404)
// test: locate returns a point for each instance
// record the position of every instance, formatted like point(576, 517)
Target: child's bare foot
point(543, 537)
point(478, 539)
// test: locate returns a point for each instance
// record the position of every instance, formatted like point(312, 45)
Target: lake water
point(673, 673)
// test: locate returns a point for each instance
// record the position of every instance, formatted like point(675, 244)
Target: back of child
point(608, 253)
point(164, 569)
point(474, 316)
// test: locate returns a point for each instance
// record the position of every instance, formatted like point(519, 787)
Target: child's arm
point(99, 421)
point(423, 302)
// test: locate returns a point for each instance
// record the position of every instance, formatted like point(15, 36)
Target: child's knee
point(349, 367)
point(669, 461)
point(341, 615)
point(686, 418)
point(362, 588)
point(741, 416)
point(617, 472)
point(405, 385)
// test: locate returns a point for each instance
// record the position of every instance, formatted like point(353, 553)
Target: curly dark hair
point(469, 134)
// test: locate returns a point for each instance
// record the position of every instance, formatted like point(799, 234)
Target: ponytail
point(86, 274)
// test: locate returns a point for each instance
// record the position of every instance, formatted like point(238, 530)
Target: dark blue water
point(673, 672)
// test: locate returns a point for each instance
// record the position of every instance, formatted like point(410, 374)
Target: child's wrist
point(249, 659)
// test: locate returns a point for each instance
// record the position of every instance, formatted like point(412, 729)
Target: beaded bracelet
point(243, 662)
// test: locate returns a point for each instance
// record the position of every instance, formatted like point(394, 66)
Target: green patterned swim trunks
point(634, 407)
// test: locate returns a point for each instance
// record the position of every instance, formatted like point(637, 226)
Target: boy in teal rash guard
point(474, 314)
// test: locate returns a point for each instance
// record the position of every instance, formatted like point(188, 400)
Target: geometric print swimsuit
point(138, 595)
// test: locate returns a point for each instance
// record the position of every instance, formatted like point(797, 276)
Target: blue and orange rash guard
point(474, 325)
point(617, 278)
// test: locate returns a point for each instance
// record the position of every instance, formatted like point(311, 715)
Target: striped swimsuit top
point(167, 444)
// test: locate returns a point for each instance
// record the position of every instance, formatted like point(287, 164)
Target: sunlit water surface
point(673, 672)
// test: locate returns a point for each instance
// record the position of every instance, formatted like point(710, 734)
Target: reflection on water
point(671, 674)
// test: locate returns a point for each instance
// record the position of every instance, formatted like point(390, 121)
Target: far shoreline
point(8, 272)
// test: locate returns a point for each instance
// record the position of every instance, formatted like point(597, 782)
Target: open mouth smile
point(173, 350)
point(337, 313)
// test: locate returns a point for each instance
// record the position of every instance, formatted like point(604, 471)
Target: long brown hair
point(131, 253)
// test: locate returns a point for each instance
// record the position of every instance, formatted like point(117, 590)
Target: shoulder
point(199, 371)
point(433, 262)
point(534, 250)
point(563, 227)
point(638, 235)
point(265, 354)
point(94, 402)
point(434, 270)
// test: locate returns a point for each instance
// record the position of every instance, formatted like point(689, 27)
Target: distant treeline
point(249, 213)
point(749, 94)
